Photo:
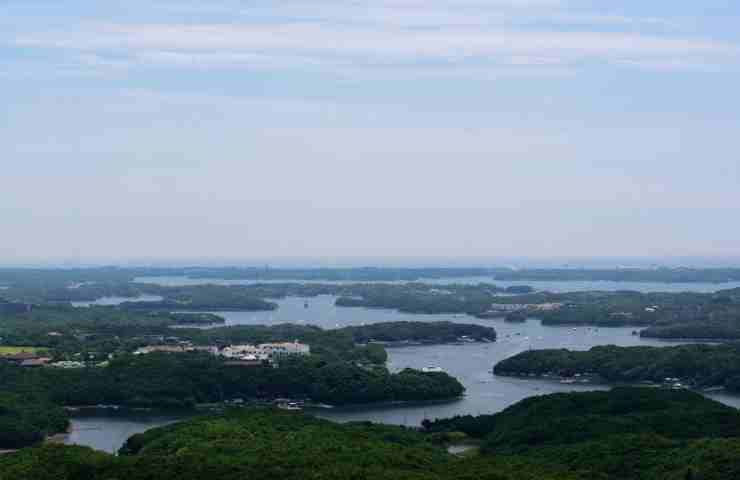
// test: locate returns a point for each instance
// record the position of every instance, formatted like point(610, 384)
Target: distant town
point(236, 355)
point(246, 355)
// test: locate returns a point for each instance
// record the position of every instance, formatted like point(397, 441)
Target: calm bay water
point(321, 311)
point(107, 431)
point(470, 363)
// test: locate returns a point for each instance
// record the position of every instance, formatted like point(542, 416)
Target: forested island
point(656, 275)
point(622, 434)
point(696, 366)
point(92, 348)
point(184, 380)
point(420, 332)
point(727, 328)
point(668, 315)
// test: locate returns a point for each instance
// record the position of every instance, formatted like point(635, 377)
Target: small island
point(683, 366)
point(403, 333)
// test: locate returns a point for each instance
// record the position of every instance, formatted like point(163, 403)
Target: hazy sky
point(331, 128)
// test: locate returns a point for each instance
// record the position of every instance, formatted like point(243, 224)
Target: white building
point(174, 349)
point(244, 352)
point(282, 349)
point(265, 351)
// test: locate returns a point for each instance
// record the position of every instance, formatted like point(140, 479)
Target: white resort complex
point(264, 352)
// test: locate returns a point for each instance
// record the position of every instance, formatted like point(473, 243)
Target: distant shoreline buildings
point(246, 354)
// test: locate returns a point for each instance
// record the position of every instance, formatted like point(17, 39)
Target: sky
point(387, 128)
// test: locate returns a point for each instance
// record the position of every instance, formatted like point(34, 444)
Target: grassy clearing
point(14, 350)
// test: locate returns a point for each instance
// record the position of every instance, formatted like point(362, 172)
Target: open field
point(14, 350)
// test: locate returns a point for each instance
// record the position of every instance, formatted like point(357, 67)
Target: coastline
point(89, 410)
point(592, 380)
point(60, 437)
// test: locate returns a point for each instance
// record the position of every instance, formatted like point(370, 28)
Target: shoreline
point(60, 437)
point(692, 339)
point(644, 383)
point(81, 410)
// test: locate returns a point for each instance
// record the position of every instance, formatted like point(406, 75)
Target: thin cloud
point(392, 46)
point(391, 36)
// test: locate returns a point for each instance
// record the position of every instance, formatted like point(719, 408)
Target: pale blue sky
point(227, 129)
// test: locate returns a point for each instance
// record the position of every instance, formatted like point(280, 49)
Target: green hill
point(623, 434)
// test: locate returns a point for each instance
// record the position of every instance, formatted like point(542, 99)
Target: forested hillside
point(624, 434)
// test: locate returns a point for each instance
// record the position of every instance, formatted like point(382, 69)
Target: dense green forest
point(267, 444)
point(26, 419)
point(624, 434)
point(725, 329)
point(186, 379)
point(565, 418)
point(694, 365)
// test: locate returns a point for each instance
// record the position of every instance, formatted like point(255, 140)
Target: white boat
point(290, 406)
